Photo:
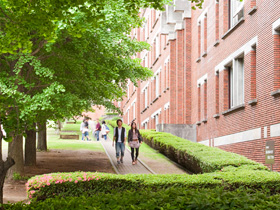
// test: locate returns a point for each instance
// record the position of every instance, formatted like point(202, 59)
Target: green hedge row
point(195, 157)
point(172, 198)
point(89, 183)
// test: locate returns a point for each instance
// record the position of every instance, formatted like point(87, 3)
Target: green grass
point(54, 142)
point(71, 127)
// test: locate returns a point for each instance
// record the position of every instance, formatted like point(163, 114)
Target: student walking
point(97, 129)
point(119, 140)
point(104, 130)
point(134, 141)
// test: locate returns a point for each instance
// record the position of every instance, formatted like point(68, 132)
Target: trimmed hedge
point(89, 183)
point(173, 198)
point(195, 157)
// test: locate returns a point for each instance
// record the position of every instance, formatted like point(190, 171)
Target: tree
point(46, 47)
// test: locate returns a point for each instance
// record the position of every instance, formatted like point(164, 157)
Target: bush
point(172, 198)
point(89, 183)
point(113, 123)
point(195, 157)
point(111, 114)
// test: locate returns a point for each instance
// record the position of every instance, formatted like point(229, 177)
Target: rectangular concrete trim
point(201, 80)
point(248, 135)
point(276, 27)
point(155, 113)
point(275, 130)
point(145, 121)
point(205, 142)
point(246, 48)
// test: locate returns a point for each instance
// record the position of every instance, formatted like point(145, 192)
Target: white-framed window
point(156, 119)
point(236, 11)
point(128, 90)
point(157, 84)
point(134, 110)
point(146, 60)
point(157, 46)
point(128, 117)
point(147, 28)
point(236, 80)
point(146, 97)
point(146, 125)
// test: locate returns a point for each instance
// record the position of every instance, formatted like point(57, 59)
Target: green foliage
point(172, 198)
point(196, 157)
point(72, 55)
point(113, 123)
point(17, 176)
point(111, 114)
point(88, 183)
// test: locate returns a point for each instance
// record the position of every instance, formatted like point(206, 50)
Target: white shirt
point(120, 133)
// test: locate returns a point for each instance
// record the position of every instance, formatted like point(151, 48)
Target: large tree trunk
point(30, 148)
point(15, 151)
point(42, 137)
point(59, 125)
point(4, 167)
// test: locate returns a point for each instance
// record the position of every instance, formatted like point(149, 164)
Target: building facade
point(216, 75)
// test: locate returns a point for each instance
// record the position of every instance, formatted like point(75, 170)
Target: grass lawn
point(54, 142)
point(146, 150)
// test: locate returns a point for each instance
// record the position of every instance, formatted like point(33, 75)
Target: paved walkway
point(126, 167)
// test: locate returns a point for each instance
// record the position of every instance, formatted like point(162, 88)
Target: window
point(128, 122)
point(146, 125)
point(134, 111)
point(236, 11)
point(217, 92)
point(156, 120)
point(205, 35)
point(276, 52)
point(146, 97)
point(253, 73)
point(217, 20)
point(147, 28)
point(157, 46)
point(199, 39)
point(236, 82)
point(199, 103)
point(157, 85)
point(128, 91)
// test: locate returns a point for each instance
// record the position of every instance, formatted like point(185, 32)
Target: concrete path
point(126, 167)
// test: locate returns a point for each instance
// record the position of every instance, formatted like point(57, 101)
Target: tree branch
point(6, 15)
point(41, 45)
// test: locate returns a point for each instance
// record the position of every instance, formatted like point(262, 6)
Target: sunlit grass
point(54, 142)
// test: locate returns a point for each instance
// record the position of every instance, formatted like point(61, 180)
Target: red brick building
point(216, 75)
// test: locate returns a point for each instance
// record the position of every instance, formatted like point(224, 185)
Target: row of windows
point(233, 13)
point(156, 86)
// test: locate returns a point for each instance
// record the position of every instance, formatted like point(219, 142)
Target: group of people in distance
point(103, 129)
point(133, 138)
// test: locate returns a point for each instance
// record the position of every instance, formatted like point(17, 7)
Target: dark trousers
point(132, 153)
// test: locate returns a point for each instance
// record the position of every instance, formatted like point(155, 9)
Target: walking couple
point(134, 141)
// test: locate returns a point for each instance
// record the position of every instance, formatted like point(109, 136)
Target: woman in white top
point(104, 130)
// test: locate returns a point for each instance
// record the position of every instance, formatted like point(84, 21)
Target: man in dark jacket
point(120, 139)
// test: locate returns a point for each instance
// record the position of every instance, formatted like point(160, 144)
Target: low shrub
point(111, 113)
point(172, 198)
point(89, 183)
point(196, 157)
point(113, 123)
